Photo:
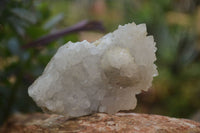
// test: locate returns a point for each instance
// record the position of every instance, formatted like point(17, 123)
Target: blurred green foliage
point(20, 23)
point(173, 23)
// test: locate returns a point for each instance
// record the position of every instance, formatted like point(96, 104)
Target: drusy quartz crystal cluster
point(103, 76)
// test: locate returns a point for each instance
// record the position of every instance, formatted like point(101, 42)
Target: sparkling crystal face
point(103, 76)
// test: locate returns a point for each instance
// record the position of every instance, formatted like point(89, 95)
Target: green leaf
point(53, 21)
point(35, 32)
point(13, 46)
point(18, 25)
point(25, 14)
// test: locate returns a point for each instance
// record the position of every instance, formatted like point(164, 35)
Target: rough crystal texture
point(103, 76)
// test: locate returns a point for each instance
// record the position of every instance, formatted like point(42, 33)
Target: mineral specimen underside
point(103, 76)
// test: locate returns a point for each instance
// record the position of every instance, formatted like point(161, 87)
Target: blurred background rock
point(175, 25)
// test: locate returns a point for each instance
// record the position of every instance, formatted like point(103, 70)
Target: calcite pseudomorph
point(103, 76)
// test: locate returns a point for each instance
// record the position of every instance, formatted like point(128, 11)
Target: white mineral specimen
point(103, 76)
